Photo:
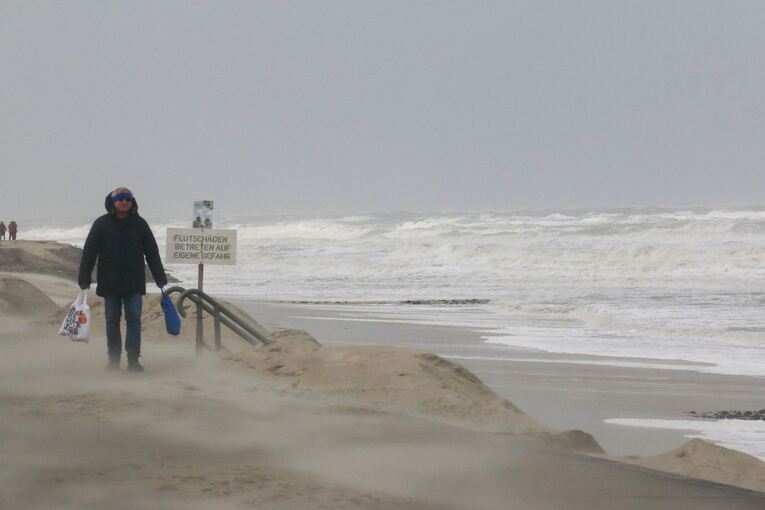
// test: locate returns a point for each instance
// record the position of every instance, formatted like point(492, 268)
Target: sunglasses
point(122, 196)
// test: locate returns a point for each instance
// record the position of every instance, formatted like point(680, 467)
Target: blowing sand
point(297, 425)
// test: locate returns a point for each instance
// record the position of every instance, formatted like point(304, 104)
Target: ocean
point(673, 288)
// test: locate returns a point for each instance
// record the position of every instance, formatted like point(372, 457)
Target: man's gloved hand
point(86, 287)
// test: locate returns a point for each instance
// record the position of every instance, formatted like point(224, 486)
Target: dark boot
point(114, 363)
point(133, 364)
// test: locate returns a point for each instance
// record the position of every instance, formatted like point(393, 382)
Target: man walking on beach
point(120, 240)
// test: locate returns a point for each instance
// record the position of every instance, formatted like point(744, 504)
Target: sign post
point(203, 214)
point(201, 246)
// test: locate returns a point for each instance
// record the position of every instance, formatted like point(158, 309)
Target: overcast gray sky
point(351, 106)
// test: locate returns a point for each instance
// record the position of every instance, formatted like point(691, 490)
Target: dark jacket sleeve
point(89, 256)
point(151, 251)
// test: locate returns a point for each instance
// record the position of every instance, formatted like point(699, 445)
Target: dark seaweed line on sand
point(412, 302)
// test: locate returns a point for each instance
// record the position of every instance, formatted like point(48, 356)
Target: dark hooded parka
point(120, 246)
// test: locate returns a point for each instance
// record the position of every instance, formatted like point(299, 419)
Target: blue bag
point(172, 321)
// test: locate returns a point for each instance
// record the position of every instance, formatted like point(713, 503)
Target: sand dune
point(400, 380)
point(391, 377)
point(45, 257)
point(20, 298)
point(708, 461)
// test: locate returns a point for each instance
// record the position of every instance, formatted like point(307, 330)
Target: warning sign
point(201, 246)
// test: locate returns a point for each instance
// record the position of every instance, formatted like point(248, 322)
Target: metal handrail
point(222, 314)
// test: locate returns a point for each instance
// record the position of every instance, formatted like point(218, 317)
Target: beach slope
point(295, 425)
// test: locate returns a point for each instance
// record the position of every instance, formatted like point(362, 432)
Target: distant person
point(120, 240)
point(2, 230)
point(12, 230)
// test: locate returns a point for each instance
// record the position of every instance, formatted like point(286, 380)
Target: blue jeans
point(113, 311)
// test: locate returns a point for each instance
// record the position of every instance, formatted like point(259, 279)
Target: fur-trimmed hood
point(109, 205)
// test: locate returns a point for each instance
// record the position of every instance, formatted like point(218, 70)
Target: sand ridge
point(46, 257)
point(400, 380)
point(20, 298)
point(701, 459)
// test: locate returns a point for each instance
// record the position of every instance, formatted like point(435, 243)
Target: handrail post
point(217, 329)
point(200, 324)
point(200, 329)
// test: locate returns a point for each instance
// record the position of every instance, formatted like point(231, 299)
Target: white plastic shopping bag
point(77, 322)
